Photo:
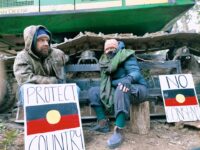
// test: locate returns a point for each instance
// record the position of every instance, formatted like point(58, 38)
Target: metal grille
point(13, 3)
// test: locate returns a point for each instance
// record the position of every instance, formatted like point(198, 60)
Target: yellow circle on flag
point(180, 98)
point(53, 116)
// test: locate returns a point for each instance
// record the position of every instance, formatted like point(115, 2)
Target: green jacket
point(108, 66)
point(28, 68)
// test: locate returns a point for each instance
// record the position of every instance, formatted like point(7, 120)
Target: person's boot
point(102, 126)
point(116, 139)
point(20, 115)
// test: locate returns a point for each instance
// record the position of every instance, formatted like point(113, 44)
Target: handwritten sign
point(179, 96)
point(52, 117)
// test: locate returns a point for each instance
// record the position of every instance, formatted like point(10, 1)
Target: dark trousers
point(122, 100)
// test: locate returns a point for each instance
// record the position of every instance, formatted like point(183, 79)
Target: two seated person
point(121, 80)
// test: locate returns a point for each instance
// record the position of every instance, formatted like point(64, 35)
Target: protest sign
point(52, 117)
point(179, 96)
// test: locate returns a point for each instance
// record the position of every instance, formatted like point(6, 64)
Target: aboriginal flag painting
point(179, 97)
point(51, 117)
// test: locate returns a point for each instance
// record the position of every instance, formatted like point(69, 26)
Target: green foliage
point(2, 127)
point(8, 137)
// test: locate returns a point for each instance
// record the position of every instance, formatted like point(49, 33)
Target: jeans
point(122, 100)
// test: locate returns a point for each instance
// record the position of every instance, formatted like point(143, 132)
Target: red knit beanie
point(112, 43)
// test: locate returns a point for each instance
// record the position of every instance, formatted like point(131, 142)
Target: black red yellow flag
point(51, 117)
point(179, 97)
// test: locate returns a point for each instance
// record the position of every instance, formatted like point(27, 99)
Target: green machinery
point(107, 16)
point(66, 18)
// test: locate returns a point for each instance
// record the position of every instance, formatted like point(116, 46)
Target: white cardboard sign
point(52, 117)
point(179, 96)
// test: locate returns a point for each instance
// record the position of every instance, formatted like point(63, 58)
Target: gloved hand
point(125, 87)
point(123, 83)
point(127, 79)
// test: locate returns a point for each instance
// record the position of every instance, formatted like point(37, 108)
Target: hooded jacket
point(29, 68)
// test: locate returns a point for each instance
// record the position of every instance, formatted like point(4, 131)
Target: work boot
point(102, 126)
point(116, 139)
point(20, 115)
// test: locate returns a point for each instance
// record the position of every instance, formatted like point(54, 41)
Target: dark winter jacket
point(120, 68)
point(128, 68)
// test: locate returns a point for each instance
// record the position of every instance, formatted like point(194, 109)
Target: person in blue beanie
point(37, 63)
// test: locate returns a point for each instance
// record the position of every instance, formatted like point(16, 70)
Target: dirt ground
point(162, 136)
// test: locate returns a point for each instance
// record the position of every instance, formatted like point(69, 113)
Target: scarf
point(108, 66)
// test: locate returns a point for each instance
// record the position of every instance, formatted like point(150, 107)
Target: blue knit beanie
point(42, 33)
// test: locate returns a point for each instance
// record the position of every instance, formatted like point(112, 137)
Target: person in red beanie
point(121, 84)
point(110, 46)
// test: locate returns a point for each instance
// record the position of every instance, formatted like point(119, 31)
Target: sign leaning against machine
point(179, 96)
point(52, 117)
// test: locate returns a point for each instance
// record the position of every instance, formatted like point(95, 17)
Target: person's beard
point(43, 52)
